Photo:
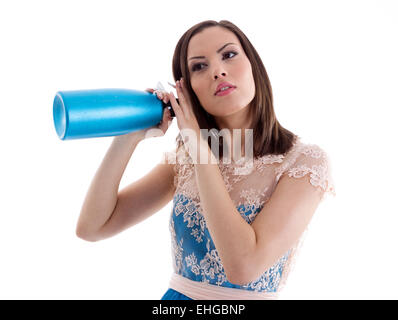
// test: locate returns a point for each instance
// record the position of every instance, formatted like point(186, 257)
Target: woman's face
point(215, 66)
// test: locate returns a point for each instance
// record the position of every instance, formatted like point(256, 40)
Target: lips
point(222, 85)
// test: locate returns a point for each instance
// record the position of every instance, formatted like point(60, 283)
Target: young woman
point(236, 226)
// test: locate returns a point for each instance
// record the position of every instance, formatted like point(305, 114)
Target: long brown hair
point(269, 137)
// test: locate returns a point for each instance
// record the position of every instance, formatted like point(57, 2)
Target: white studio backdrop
point(333, 68)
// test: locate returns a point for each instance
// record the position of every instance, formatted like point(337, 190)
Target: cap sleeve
point(177, 157)
point(313, 161)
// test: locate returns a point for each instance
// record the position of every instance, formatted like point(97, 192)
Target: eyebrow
point(218, 51)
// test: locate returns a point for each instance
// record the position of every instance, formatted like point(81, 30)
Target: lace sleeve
point(311, 160)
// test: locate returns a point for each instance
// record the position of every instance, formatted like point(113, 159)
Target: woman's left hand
point(187, 123)
point(186, 118)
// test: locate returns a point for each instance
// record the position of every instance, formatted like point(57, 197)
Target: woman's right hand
point(163, 125)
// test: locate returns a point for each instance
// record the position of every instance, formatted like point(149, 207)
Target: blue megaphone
point(94, 113)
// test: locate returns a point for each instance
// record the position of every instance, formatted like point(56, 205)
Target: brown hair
point(269, 137)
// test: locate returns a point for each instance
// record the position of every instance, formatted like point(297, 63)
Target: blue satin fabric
point(172, 294)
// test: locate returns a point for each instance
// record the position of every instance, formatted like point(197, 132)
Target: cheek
point(249, 72)
point(195, 86)
point(247, 77)
point(198, 90)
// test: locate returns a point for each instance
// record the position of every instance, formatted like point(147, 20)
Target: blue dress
point(250, 185)
point(172, 294)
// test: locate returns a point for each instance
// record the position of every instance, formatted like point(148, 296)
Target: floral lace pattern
point(250, 187)
point(195, 255)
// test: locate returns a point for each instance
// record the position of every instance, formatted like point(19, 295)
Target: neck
point(237, 124)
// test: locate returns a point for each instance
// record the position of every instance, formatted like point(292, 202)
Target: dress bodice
point(250, 185)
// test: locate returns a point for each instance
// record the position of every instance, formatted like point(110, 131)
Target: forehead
point(210, 40)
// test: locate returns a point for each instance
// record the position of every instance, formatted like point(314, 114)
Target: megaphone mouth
point(60, 116)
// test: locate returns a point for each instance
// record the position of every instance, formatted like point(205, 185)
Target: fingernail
point(171, 85)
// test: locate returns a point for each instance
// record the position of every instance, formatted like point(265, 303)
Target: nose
point(218, 71)
point(219, 74)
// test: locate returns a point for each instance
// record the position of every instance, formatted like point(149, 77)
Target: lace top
point(250, 186)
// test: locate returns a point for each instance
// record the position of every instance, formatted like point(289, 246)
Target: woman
point(235, 226)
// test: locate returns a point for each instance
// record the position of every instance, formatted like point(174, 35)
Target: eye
point(197, 67)
point(229, 52)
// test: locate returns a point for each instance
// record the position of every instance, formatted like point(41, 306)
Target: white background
point(333, 68)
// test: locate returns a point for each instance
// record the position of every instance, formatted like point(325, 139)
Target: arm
point(102, 195)
point(105, 211)
point(246, 251)
point(140, 200)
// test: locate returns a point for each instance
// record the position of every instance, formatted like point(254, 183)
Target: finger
point(184, 88)
point(166, 114)
point(166, 121)
point(183, 96)
point(180, 94)
point(176, 107)
point(171, 84)
point(163, 96)
point(182, 85)
point(160, 94)
point(166, 97)
point(169, 118)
